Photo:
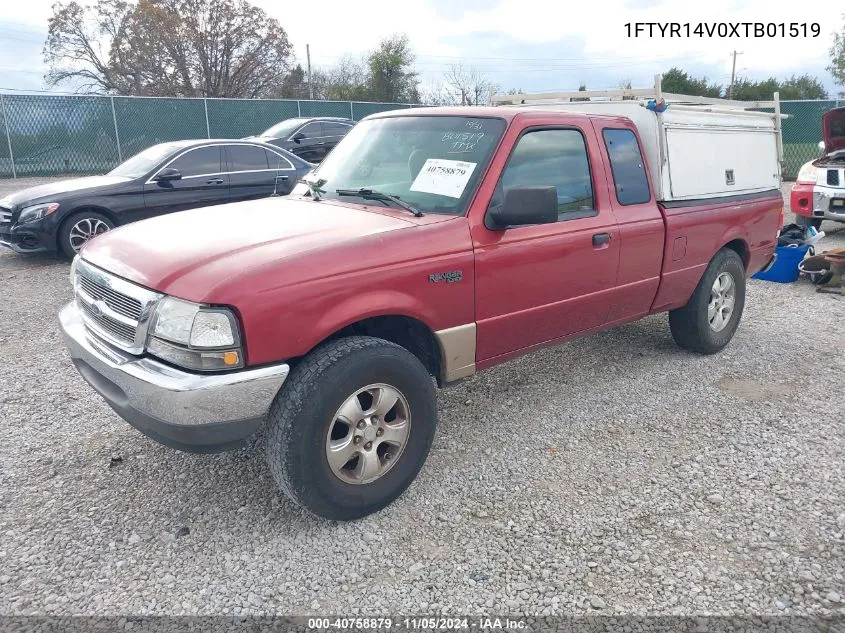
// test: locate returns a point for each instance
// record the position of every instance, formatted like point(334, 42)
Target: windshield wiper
point(314, 187)
point(372, 194)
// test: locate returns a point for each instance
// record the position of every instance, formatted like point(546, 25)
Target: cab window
point(553, 157)
point(626, 164)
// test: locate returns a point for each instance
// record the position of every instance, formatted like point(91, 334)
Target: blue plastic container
point(785, 268)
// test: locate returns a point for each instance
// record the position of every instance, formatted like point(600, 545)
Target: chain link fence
point(48, 135)
point(802, 132)
point(51, 135)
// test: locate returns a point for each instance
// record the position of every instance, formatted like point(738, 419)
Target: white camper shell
point(697, 148)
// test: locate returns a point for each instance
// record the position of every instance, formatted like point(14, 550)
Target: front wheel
point(351, 427)
point(707, 323)
point(79, 228)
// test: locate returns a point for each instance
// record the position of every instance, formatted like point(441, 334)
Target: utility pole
point(733, 74)
point(311, 85)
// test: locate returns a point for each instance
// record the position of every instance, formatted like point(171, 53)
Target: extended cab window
point(198, 162)
point(553, 157)
point(626, 163)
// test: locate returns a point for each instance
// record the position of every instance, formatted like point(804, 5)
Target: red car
point(819, 191)
point(429, 245)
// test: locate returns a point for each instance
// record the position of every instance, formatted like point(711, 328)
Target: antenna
point(278, 177)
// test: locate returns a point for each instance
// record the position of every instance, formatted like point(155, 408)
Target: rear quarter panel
point(695, 231)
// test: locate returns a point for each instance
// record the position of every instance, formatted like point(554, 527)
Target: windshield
point(143, 162)
point(283, 129)
point(430, 162)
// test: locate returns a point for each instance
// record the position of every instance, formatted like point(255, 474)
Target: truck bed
point(695, 231)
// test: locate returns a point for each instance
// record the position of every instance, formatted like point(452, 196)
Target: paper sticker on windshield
point(443, 177)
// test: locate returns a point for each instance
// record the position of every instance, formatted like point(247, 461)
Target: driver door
point(203, 183)
point(308, 142)
point(541, 283)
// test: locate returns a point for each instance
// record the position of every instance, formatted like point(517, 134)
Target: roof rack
point(629, 94)
point(642, 95)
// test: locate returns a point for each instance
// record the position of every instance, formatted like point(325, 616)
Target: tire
point(691, 325)
point(307, 410)
point(72, 229)
point(804, 222)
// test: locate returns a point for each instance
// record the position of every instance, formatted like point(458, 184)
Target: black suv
point(309, 138)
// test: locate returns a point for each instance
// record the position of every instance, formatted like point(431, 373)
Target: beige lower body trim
point(457, 351)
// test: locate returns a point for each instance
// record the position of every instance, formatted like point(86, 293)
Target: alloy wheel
point(368, 434)
point(722, 300)
point(84, 230)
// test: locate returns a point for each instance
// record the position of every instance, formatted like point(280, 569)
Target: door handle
point(214, 181)
point(601, 239)
point(281, 177)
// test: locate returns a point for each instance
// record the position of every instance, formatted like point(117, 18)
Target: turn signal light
point(231, 358)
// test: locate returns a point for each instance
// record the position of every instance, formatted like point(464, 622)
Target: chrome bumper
point(822, 197)
point(189, 411)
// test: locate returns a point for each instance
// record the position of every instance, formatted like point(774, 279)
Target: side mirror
point(298, 137)
point(523, 206)
point(821, 145)
point(167, 174)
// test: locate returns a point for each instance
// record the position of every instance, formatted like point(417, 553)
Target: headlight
point(807, 173)
point(195, 336)
point(37, 211)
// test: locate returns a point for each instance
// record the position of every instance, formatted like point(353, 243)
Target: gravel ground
point(615, 474)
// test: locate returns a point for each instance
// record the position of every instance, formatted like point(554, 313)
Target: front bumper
point(201, 413)
point(22, 239)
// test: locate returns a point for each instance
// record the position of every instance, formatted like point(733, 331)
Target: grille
point(119, 330)
point(833, 177)
point(120, 303)
point(5, 215)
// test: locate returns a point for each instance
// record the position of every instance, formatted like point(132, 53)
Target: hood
point(191, 253)
point(42, 192)
point(833, 130)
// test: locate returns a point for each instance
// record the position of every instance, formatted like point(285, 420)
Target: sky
point(531, 45)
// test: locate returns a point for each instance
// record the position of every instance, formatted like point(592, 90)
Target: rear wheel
point(79, 228)
point(707, 323)
point(804, 222)
point(351, 427)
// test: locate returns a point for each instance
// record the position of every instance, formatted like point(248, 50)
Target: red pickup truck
point(429, 245)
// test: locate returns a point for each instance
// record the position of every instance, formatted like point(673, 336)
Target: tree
point(391, 74)
point(837, 56)
point(294, 85)
point(348, 80)
point(796, 87)
point(677, 81)
point(471, 84)
point(439, 94)
point(182, 48)
point(802, 87)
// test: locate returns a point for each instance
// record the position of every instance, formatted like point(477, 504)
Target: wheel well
point(78, 210)
point(741, 249)
point(413, 335)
